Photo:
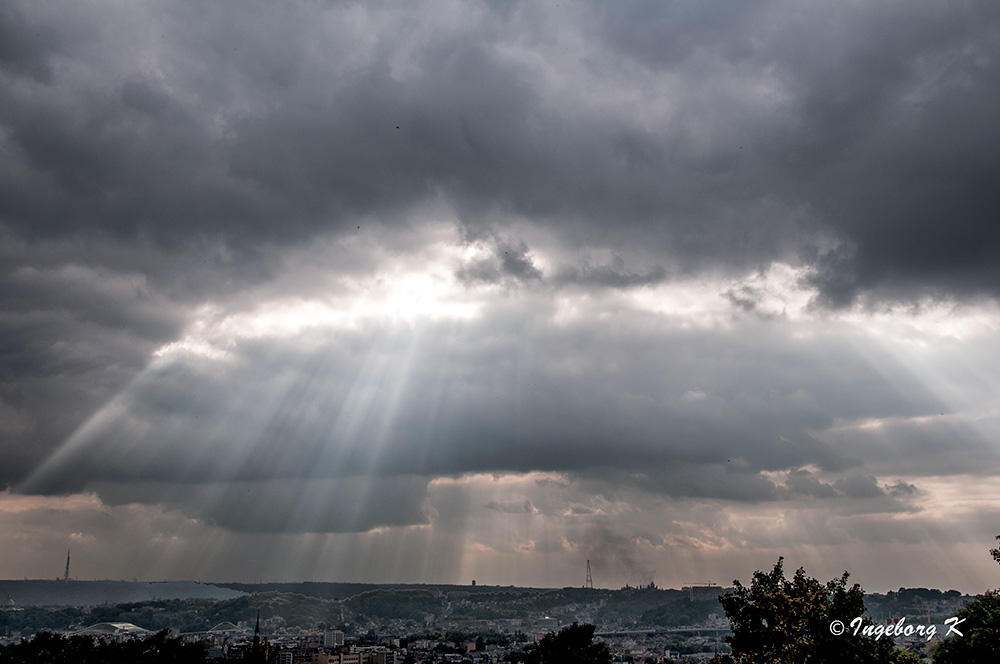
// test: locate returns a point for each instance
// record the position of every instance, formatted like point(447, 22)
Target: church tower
point(258, 651)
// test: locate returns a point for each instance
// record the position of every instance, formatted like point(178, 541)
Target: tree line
point(50, 648)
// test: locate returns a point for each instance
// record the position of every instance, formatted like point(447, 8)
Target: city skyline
point(441, 291)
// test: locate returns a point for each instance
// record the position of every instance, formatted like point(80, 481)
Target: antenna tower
point(590, 579)
point(66, 575)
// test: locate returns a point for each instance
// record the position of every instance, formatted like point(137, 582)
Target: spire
point(258, 651)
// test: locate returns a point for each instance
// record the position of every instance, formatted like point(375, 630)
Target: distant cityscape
point(351, 623)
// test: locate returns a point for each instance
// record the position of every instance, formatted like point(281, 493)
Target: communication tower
point(590, 579)
point(66, 574)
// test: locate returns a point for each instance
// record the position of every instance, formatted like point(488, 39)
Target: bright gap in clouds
point(400, 289)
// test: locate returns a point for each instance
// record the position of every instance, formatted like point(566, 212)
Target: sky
point(444, 291)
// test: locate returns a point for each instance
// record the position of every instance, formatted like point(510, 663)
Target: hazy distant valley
point(401, 611)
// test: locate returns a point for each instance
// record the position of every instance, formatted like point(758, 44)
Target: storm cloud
point(503, 282)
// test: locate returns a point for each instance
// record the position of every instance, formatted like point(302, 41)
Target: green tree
point(572, 645)
point(788, 621)
point(156, 649)
point(49, 648)
point(980, 640)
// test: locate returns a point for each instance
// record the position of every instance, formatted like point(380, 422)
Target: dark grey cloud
point(869, 125)
point(614, 274)
point(901, 488)
point(72, 334)
point(885, 135)
point(859, 486)
point(508, 262)
point(165, 170)
point(609, 402)
point(713, 480)
point(745, 297)
point(939, 445)
point(355, 504)
point(25, 44)
point(804, 483)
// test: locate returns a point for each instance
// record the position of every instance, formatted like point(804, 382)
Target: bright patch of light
point(918, 325)
point(405, 290)
point(199, 341)
point(948, 347)
point(694, 395)
point(406, 297)
point(570, 308)
point(13, 503)
point(876, 424)
point(498, 480)
point(953, 495)
point(777, 291)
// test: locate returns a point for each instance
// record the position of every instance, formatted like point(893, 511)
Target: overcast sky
point(442, 291)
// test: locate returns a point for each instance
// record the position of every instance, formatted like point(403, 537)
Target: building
point(546, 623)
point(116, 631)
point(703, 593)
point(372, 656)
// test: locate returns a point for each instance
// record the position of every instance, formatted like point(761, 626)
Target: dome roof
point(116, 629)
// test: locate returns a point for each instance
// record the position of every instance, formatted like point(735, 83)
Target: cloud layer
point(509, 284)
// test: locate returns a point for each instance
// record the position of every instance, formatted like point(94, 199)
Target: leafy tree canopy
point(57, 649)
point(787, 621)
point(980, 640)
point(572, 645)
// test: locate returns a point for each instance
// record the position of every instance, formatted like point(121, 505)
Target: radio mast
point(66, 575)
